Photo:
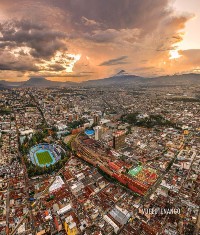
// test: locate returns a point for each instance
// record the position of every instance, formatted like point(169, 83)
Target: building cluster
point(13, 195)
point(8, 140)
point(178, 193)
point(82, 201)
point(122, 177)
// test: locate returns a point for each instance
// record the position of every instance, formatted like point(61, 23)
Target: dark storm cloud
point(6, 44)
point(117, 61)
point(144, 30)
point(102, 36)
point(116, 14)
point(41, 39)
point(15, 66)
point(75, 75)
point(112, 14)
point(56, 67)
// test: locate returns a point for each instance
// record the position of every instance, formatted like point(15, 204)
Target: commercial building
point(57, 184)
point(119, 140)
point(112, 223)
point(96, 119)
point(64, 209)
point(98, 132)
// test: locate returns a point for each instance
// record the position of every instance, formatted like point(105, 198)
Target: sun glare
point(174, 54)
point(65, 60)
point(72, 62)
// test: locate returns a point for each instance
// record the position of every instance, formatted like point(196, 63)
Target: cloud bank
point(91, 38)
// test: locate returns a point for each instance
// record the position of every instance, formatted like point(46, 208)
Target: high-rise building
point(76, 108)
point(119, 140)
point(70, 117)
point(98, 132)
point(76, 117)
point(96, 119)
point(70, 104)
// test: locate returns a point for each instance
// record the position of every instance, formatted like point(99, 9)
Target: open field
point(44, 158)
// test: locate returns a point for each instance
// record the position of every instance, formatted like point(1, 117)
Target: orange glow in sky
point(77, 40)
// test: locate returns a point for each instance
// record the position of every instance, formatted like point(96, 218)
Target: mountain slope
point(120, 79)
point(37, 82)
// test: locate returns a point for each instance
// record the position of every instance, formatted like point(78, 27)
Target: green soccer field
point(135, 171)
point(44, 158)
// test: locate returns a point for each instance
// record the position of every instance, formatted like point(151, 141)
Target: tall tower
point(70, 117)
point(98, 132)
point(119, 140)
point(96, 119)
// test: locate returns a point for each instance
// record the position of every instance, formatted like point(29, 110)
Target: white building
point(112, 223)
point(75, 188)
point(64, 209)
point(57, 184)
point(98, 132)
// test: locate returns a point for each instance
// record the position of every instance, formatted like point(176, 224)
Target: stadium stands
point(53, 150)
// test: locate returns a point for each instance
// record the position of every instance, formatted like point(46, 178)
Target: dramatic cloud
point(41, 39)
point(10, 62)
point(87, 38)
point(117, 61)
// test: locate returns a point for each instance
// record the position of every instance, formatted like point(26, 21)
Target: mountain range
point(120, 79)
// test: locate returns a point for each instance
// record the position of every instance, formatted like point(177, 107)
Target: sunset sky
point(90, 39)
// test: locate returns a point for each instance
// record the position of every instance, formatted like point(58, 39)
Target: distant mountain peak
point(122, 73)
point(36, 79)
point(120, 79)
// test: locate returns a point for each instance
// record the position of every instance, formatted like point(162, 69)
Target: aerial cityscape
point(99, 117)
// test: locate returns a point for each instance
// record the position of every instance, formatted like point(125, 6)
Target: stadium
point(45, 154)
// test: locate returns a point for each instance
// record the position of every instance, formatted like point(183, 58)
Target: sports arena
point(45, 154)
